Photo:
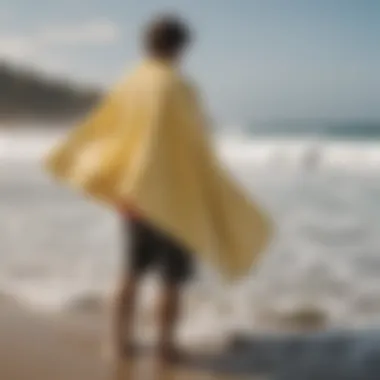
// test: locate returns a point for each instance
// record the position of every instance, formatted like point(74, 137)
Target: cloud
point(21, 52)
point(92, 33)
point(38, 49)
point(15, 48)
point(56, 65)
point(96, 32)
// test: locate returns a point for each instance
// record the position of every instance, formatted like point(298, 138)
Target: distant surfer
point(146, 152)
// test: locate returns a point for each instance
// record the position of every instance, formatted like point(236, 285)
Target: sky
point(252, 59)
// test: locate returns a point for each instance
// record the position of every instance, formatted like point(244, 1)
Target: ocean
point(60, 252)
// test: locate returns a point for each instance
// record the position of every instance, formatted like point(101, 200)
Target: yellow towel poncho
point(147, 146)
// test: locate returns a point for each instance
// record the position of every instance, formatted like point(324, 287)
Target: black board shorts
point(150, 249)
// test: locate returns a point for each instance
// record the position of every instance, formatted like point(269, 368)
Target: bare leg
point(169, 316)
point(123, 315)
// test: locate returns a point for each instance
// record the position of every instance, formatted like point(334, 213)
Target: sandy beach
point(68, 347)
point(34, 346)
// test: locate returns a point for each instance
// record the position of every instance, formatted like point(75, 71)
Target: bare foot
point(114, 354)
point(171, 354)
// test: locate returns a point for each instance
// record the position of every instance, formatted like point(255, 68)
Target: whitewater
point(60, 252)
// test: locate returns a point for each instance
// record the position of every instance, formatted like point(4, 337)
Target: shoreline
point(38, 346)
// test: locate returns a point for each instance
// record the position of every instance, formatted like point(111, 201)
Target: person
point(165, 39)
point(146, 153)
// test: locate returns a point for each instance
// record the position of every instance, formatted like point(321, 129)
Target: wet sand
point(38, 347)
point(68, 347)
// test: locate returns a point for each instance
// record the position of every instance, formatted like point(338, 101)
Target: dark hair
point(166, 36)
